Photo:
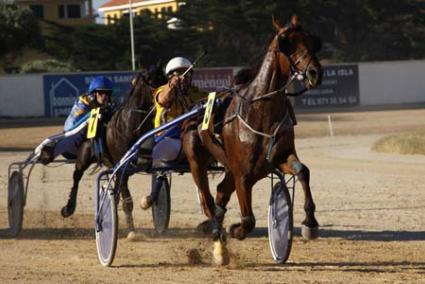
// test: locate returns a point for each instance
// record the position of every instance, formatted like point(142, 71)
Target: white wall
point(381, 83)
point(395, 82)
point(21, 95)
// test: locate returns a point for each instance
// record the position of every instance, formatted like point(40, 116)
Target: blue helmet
point(100, 83)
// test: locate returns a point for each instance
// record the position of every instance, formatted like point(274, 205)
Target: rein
point(149, 113)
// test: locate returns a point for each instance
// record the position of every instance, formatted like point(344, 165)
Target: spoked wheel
point(161, 208)
point(106, 225)
point(15, 203)
point(280, 223)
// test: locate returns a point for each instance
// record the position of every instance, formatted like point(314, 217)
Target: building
point(64, 12)
point(51, 14)
point(115, 9)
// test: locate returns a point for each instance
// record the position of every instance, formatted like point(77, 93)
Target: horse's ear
point(295, 21)
point(317, 43)
point(277, 24)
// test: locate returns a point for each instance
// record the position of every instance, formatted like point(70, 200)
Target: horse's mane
point(135, 84)
point(247, 75)
point(152, 77)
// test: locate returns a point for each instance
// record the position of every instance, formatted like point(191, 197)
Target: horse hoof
point(194, 257)
point(309, 233)
point(66, 212)
point(132, 236)
point(205, 228)
point(220, 253)
point(235, 231)
point(145, 202)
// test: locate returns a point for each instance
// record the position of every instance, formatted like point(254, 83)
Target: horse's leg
point(224, 190)
point(198, 159)
point(239, 231)
point(214, 147)
point(295, 167)
point(244, 193)
point(84, 159)
point(127, 206)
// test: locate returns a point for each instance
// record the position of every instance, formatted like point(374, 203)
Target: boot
point(47, 154)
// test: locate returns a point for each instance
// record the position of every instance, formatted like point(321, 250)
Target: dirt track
point(370, 207)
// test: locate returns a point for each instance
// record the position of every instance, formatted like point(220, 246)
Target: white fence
point(21, 95)
point(396, 82)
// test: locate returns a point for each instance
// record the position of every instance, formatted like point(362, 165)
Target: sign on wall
point(61, 91)
point(339, 88)
point(212, 79)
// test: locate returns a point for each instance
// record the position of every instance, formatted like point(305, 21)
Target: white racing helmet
point(177, 63)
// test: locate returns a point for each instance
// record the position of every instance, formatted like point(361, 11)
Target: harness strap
point(297, 93)
point(269, 94)
point(138, 110)
point(252, 129)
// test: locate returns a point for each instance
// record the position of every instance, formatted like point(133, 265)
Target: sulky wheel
point(161, 207)
point(15, 203)
point(280, 222)
point(106, 225)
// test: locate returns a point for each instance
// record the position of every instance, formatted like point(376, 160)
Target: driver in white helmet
point(171, 100)
point(175, 97)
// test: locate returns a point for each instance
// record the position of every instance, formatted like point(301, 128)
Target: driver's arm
point(169, 93)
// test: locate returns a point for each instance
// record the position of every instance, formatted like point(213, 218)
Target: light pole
point(133, 59)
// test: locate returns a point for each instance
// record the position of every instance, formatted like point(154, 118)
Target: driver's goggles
point(180, 73)
point(104, 92)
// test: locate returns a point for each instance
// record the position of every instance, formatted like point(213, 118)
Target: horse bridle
point(296, 74)
point(300, 74)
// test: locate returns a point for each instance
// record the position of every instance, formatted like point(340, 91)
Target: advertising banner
point(339, 88)
point(212, 79)
point(61, 91)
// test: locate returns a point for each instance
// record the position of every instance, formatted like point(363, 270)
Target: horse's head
point(140, 95)
point(139, 99)
point(154, 76)
point(299, 48)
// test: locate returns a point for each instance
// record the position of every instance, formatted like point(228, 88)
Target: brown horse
point(258, 134)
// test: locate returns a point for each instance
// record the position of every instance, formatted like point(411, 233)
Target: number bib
point(94, 118)
point(208, 111)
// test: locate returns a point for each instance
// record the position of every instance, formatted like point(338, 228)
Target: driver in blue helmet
point(98, 95)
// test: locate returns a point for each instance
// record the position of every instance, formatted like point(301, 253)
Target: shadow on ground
point(183, 233)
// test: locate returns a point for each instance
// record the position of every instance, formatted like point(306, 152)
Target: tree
point(236, 33)
point(18, 28)
point(49, 65)
point(351, 30)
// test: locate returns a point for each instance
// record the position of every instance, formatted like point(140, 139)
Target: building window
point(61, 11)
point(69, 11)
point(74, 11)
point(37, 10)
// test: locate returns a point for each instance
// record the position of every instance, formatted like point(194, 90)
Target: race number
point(208, 111)
point(93, 119)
